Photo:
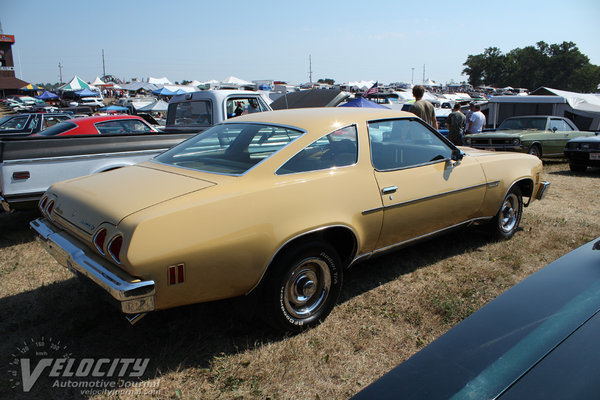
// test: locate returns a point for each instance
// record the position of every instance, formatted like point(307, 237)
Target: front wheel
point(535, 150)
point(506, 222)
point(302, 287)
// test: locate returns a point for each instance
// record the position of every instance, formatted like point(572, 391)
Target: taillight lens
point(43, 203)
point(100, 239)
point(114, 248)
point(50, 208)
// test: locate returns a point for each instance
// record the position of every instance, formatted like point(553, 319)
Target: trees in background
point(559, 66)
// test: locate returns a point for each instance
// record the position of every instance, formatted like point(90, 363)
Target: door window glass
point(404, 143)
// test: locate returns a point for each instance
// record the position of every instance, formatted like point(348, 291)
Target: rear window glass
point(191, 113)
point(58, 129)
point(230, 149)
point(122, 126)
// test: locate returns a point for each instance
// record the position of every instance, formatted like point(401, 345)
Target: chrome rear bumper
point(133, 297)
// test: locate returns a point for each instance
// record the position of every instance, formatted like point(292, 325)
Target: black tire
point(577, 168)
point(506, 222)
point(302, 287)
point(535, 151)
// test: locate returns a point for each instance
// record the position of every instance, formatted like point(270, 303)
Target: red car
point(99, 125)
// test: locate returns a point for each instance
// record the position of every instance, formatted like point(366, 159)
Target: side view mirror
point(554, 129)
point(457, 155)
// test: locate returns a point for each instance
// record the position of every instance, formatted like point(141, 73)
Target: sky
point(385, 41)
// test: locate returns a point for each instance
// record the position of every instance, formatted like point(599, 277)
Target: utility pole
point(103, 65)
point(412, 78)
point(60, 72)
point(310, 69)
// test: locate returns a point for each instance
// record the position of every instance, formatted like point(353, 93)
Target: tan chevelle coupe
point(277, 205)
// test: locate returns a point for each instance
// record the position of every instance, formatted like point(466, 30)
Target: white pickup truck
point(29, 166)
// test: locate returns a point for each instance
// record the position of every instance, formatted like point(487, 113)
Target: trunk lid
point(111, 196)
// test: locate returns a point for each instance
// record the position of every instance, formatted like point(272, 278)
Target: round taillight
point(50, 208)
point(100, 239)
point(114, 248)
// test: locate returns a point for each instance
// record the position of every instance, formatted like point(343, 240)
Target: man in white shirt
point(476, 120)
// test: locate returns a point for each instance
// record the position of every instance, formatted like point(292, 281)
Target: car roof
point(323, 119)
point(102, 118)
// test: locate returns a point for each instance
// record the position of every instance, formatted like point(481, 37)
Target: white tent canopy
point(98, 82)
point(159, 81)
point(362, 85)
point(232, 80)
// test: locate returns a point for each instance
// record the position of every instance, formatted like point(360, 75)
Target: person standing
point(476, 120)
point(422, 108)
point(456, 125)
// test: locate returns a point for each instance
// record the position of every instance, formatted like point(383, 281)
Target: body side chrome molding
point(405, 203)
point(83, 156)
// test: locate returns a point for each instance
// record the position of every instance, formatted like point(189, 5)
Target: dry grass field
point(391, 307)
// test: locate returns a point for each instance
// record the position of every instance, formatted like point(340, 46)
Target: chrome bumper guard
point(134, 297)
point(542, 190)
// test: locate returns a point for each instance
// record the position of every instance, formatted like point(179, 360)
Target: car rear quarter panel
point(227, 235)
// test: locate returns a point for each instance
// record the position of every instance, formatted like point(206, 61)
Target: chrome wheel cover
point(307, 288)
point(509, 213)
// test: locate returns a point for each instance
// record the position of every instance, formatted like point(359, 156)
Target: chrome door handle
point(389, 189)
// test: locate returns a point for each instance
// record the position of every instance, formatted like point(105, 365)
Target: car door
point(560, 133)
point(422, 189)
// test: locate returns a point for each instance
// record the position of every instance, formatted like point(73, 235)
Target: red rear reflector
point(180, 273)
point(176, 274)
point(20, 175)
point(172, 278)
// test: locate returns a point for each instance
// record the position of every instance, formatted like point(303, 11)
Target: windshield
point(230, 148)
point(538, 124)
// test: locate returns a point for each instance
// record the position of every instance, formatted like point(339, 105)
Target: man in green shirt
point(456, 125)
point(422, 108)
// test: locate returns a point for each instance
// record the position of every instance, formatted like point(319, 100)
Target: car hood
point(500, 134)
point(586, 139)
point(111, 196)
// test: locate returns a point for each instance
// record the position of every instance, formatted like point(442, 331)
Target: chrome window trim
point(324, 169)
point(408, 202)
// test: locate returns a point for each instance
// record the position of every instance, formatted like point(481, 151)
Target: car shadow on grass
point(14, 227)
point(186, 337)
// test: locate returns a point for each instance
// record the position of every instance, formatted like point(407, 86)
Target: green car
point(542, 136)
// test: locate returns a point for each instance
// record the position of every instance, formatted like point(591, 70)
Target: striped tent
point(31, 86)
point(75, 84)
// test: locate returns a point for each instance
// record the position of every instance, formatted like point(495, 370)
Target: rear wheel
point(302, 287)
point(506, 222)
point(578, 168)
point(535, 150)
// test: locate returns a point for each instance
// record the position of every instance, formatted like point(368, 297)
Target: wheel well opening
point(340, 238)
point(526, 186)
